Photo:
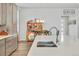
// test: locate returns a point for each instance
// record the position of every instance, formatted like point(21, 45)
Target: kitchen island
point(8, 44)
point(64, 48)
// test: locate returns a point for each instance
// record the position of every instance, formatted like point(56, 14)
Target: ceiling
point(53, 5)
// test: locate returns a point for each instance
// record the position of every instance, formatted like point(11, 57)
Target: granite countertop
point(6, 36)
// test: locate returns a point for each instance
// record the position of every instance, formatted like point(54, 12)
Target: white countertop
point(67, 49)
point(6, 36)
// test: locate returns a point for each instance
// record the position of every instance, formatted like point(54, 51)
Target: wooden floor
point(22, 49)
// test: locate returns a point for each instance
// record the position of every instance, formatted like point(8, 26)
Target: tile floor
point(22, 49)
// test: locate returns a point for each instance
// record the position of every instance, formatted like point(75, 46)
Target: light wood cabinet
point(0, 14)
point(14, 18)
point(2, 47)
point(9, 18)
point(3, 13)
point(8, 45)
point(15, 43)
point(11, 45)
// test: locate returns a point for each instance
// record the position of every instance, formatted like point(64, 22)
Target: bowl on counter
point(3, 33)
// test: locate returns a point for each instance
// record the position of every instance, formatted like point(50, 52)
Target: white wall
point(52, 17)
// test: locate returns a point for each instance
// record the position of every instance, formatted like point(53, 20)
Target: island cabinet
point(2, 47)
point(11, 44)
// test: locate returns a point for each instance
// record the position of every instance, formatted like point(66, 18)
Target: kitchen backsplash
point(2, 28)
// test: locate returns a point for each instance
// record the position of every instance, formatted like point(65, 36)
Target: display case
point(34, 27)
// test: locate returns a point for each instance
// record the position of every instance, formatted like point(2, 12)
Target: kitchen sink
point(46, 44)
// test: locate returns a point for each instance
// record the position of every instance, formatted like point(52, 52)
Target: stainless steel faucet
point(57, 33)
